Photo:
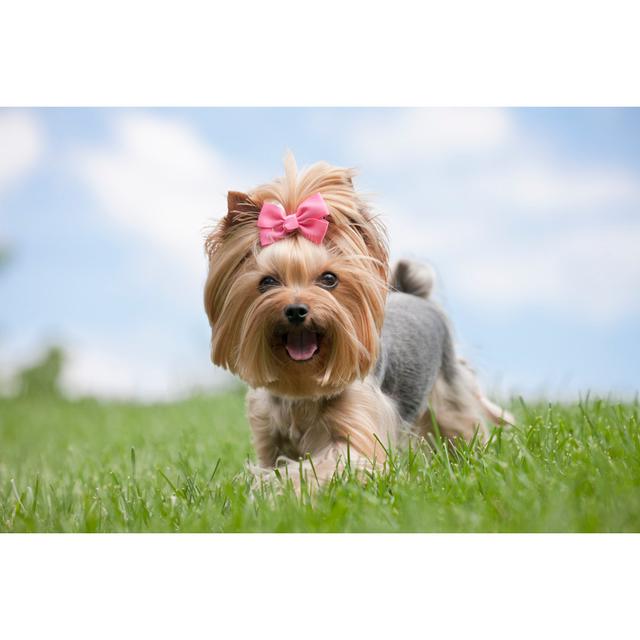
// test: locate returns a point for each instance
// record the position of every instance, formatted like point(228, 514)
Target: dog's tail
point(414, 278)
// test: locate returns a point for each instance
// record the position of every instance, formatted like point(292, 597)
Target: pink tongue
point(301, 345)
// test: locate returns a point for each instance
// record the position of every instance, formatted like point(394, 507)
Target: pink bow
point(308, 219)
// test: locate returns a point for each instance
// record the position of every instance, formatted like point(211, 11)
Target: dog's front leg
point(309, 440)
point(312, 472)
point(286, 454)
point(263, 421)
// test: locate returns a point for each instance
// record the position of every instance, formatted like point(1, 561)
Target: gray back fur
point(416, 346)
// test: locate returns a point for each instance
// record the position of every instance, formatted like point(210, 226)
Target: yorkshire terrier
point(344, 359)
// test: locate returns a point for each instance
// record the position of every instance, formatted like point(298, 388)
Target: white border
point(337, 53)
point(324, 586)
point(284, 52)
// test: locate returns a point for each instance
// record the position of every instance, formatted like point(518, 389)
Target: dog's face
point(301, 319)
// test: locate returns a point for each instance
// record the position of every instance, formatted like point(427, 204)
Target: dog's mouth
point(301, 344)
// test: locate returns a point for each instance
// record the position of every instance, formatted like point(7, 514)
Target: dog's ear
point(242, 214)
point(238, 206)
point(227, 245)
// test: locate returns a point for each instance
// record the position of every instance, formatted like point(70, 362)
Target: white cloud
point(509, 223)
point(591, 270)
point(486, 155)
point(588, 272)
point(544, 186)
point(21, 146)
point(429, 133)
point(112, 373)
point(160, 182)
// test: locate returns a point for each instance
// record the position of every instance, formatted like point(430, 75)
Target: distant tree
point(43, 378)
point(5, 254)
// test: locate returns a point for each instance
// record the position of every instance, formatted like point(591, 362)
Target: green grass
point(90, 466)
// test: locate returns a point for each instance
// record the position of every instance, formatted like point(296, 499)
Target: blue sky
point(531, 218)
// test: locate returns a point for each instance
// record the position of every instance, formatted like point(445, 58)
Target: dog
point(343, 356)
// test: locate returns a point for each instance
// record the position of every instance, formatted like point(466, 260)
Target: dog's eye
point(328, 280)
point(268, 282)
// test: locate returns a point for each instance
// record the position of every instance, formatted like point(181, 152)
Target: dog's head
point(299, 318)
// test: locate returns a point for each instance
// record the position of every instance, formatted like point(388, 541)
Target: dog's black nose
point(296, 313)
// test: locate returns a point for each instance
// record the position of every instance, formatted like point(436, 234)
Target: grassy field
point(90, 466)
